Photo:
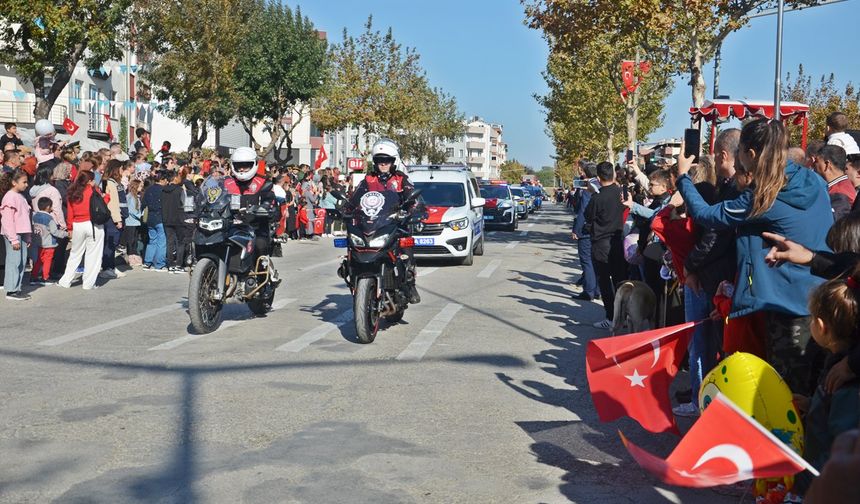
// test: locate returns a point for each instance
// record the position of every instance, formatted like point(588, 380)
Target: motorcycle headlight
point(211, 224)
point(378, 242)
point(459, 224)
point(356, 240)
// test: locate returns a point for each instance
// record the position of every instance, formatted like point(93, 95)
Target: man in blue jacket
point(590, 290)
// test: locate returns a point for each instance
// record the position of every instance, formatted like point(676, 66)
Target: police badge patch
point(371, 203)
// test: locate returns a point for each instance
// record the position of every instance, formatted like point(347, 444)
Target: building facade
point(480, 148)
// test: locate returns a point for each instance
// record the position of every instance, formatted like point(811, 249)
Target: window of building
point(114, 106)
point(461, 152)
point(449, 152)
point(78, 95)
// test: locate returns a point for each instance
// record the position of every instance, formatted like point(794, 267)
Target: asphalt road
point(478, 396)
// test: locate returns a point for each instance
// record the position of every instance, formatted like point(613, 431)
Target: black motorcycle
point(226, 262)
point(376, 268)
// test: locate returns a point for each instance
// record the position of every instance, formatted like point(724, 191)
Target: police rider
point(256, 195)
point(385, 176)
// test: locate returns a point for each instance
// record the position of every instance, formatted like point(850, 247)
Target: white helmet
point(44, 127)
point(243, 163)
point(384, 150)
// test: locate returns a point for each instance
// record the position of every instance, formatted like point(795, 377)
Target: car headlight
point(505, 204)
point(356, 240)
point(459, 224)
point(211, 224)
point(378, 242)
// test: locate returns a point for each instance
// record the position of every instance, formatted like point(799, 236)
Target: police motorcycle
point(226, 262)
point(379, 245)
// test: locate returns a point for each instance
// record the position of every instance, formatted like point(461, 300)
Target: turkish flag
point(109, 130)
point(70, 126)
point(627, 75)
point(724, 446)
point(321, 157)
point(630, 375)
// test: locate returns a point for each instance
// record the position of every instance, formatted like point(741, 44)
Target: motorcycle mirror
point(414, 196)
point(338, 195)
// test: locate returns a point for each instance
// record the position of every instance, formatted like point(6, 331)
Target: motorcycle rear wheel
point(206, 313)
point(366, 310)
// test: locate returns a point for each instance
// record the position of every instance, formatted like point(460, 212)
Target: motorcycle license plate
point(423, 242)
point(489, 217)
point(340, 242)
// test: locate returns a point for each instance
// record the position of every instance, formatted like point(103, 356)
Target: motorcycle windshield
point(213, 197)
point(376, 210)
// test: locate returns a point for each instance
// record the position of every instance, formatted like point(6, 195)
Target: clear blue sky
point(480, 51)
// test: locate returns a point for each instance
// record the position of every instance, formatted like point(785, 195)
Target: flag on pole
point(321, 157)
point(70, 126)
point(630, 375)
point(724, 446)
point(109, 129)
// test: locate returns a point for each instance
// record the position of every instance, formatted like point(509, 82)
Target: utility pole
point(717, 62)
point(777, 83)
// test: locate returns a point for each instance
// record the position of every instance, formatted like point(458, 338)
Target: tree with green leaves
point(191, 54)
point(684, 33)
point(43, 41)
point(282, 66)
point(512, 171)
point(375, 85)
point(823, 98)
point(438, 120)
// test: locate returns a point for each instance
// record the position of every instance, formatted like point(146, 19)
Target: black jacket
point(604, 221)
point(712, 258)
point(152, 202)
point(172, 212)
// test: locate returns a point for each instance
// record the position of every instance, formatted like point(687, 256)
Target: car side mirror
point(478, 202)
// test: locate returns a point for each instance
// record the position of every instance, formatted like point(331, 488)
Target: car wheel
point(469, 259)
point(479, 250)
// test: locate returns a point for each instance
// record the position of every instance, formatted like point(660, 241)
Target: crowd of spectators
point(70, 216)
point(759, 241)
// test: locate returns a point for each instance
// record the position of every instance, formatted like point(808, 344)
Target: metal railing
point(22, 112)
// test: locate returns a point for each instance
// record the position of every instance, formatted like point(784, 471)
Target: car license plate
point(423, 242)
point(489, 217)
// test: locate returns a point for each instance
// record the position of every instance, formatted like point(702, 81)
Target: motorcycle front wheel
point(205, 311)
point(366, 310)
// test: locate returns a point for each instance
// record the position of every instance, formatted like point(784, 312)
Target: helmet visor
point(243, 166)
point(383, 158)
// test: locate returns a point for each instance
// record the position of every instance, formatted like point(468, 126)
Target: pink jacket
point(14, 216)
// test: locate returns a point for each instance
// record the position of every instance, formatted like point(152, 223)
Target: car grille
point(429, 230)
point(432, 250)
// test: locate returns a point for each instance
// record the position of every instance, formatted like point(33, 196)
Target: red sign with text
point(355, 164)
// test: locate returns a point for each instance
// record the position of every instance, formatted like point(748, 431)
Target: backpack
point(99, 212)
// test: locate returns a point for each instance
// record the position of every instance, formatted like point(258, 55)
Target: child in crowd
point(15, 227)
point(47, 231)
point(834, 314)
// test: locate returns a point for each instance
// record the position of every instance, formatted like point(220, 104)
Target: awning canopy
point(726, 109)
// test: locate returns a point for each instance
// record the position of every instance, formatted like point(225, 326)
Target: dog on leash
point(635, 307)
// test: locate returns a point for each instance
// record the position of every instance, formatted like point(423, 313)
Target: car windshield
point(495, 191)
point(517, 192)
point(445, 194)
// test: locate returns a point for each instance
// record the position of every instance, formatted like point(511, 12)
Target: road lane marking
point(113, 324)
point(524, 233)
point(488, 271)
point(531, 225)
point(168, 345)
point(511, 245)
point(316, 334)
point(320, 265)
point(425, 339)
point(423, 272)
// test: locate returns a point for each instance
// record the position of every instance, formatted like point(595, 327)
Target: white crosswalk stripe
point(316, 334)
point(425, 339)
point(277, 305)
point(488, 271)
point(107, 326)
point(511, 245)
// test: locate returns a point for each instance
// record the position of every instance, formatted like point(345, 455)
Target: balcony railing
point(22, 112)
point(476, 160)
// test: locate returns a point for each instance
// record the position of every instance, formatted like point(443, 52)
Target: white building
point(95, 100)
point(480, 148)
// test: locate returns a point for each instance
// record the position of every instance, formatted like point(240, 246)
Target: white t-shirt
point(845, 141)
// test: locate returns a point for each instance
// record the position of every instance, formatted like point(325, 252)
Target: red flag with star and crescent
point(724, 446)
point(630, 375)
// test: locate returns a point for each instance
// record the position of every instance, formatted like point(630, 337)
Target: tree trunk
point(697, 80)
point(632, 111)
point(610, 146)
point(198, 134)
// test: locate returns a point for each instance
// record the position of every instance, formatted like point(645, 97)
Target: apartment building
point(480, 148)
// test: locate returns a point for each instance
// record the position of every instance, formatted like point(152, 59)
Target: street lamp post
point(777, 83)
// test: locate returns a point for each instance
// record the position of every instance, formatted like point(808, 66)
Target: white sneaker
point(687, 410)
point(118, 273)
point(603, 324)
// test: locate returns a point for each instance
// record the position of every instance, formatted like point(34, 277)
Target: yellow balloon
point(756, 388)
